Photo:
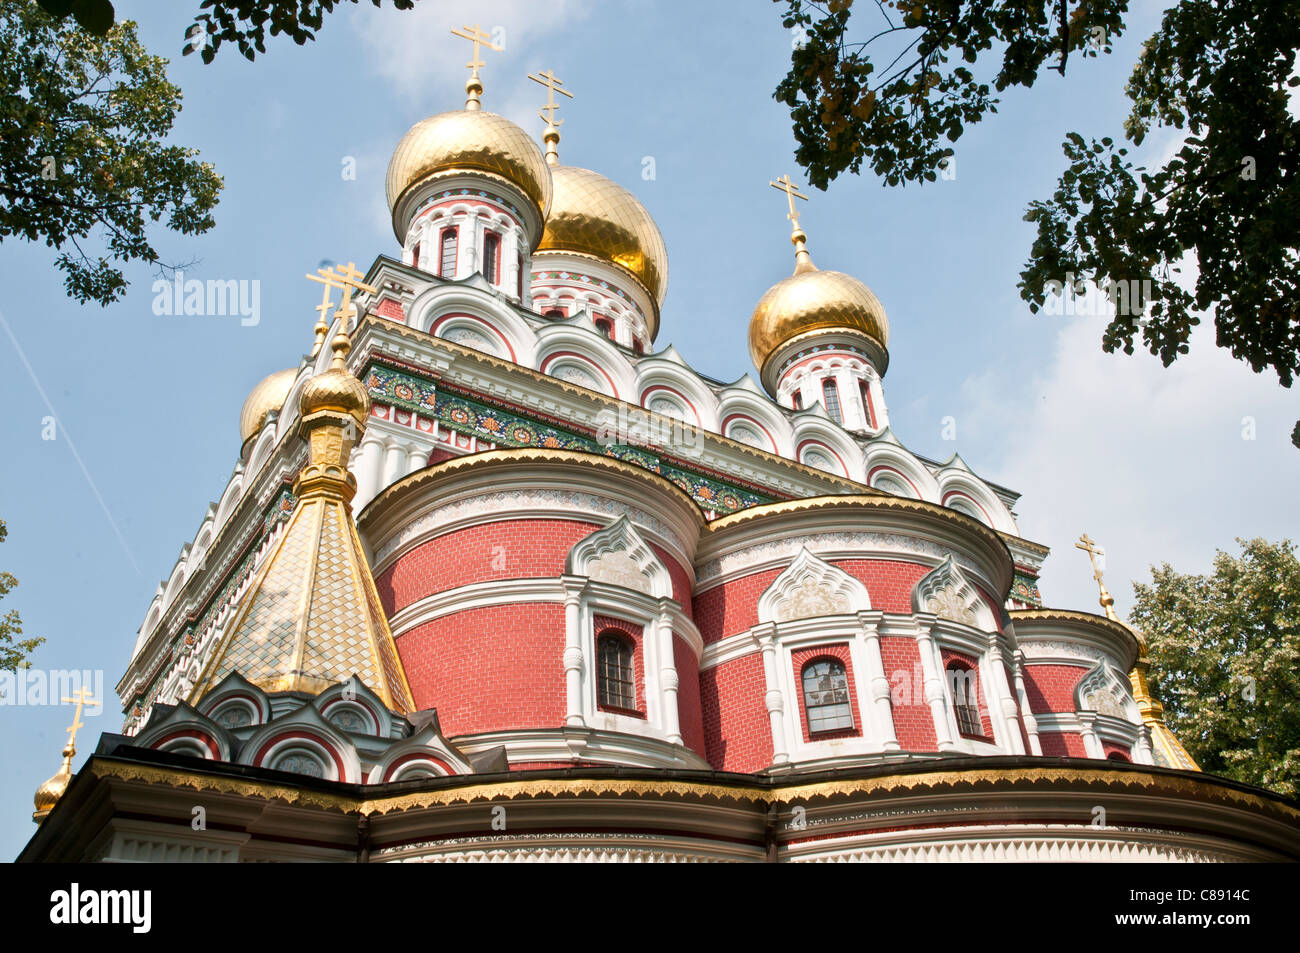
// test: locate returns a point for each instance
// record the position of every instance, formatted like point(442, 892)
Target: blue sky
point(1149, 461)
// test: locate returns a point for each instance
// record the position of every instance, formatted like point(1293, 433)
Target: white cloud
point(414, 51)
point(1150, 461)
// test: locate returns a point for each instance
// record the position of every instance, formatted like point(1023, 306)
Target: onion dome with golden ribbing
point(590, 215)
point(335, 389)
point(269, 394)
point(812, 302)
point(467, 141)
point(48, 794)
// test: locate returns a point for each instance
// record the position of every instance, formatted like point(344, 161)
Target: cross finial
point(80, 697)
point(803, 261)
point(322, 326)
point(552, 134)
point(474, 86)
point(1089, 546)
point(347, 278)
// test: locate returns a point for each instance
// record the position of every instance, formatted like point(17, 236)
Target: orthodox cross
point(474, 86)
point(553, 85)
point(80, 697)
point(792, 192)
point(1089, 546)
point(347, 278)
point(322, 327)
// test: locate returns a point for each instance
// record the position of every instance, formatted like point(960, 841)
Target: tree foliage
point(246, 23)
point(1225, 661)
point(83, 121)
point(13, 652)
point(1220, 73)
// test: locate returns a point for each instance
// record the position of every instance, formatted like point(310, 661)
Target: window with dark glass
point(448, 264)
point(491, 249)
point(831, 400)
point(616, 678)
point(553, 313)
point(519, 283)
point(965, 699)
point(826, 696)
point(637, 346)
point(415, 256)
point(606, 327)
point(797, 400)
point(865, 391)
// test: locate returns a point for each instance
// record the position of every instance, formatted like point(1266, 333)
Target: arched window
point(865, 391)
point(605, 326)
point(1118, 756)
point(616, 678)
point(965, 699)
point(448, 269)
point(491, 256)
point(826, 696)
point(831, 400)
point(553, 313)
point(796, 400)
point(415, 256)
point(519, 271)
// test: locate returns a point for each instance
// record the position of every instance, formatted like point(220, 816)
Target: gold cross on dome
point(347, 278)
point(476, 36)
point(79, 697)
point(1089, 546)
point(792, 192)
point(553, 85)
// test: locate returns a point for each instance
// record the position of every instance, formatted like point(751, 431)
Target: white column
point(935, 696)
point(417, 457)
point(1091, 744)
point(1026, 713)
point(765, 637)
point(1142, 750)
point(573, 661)
point(877, 682)
point(394, 465)
point(510, 262)
point(999, 691)
point(851, 406)
point(877, 389)
point(366, 464)
point(467, 251)
point(668, 675)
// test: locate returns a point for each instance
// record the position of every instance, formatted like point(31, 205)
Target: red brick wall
point(948, 655)
point(690, 718)
point(801, 657)
point(1062, 744)
point(1050, 687)
point(634, 634)
point(737, 731)
point(913, 723)
point(489, 669)
point(504, 549)
point(680, 578)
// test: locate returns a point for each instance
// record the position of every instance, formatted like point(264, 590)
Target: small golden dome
point(268, 395)
point(814, 300)
point(468, 140)
point(593, 216)
point(48, 794)
point(336, 389)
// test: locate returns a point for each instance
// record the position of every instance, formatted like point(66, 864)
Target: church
point(497, 576)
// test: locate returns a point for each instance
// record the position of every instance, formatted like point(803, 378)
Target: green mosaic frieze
point(1025, 589)
point(505, 429)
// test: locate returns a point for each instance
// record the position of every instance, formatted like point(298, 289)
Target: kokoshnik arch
point(435, 586)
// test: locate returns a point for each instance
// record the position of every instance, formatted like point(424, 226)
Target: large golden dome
point(468, 140)
point(268, 395)
point(814, 300)
point(591, 215)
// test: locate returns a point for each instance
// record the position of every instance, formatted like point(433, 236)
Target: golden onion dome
point(468, 140)
point(48, 794)
point(813, 300)
point(591, 215)
point(336, 389)
point(269, 394)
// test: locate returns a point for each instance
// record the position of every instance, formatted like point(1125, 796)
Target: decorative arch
point(184, 730)
point(1106, 692)
point(303, 730)
point(619, 555)
point(947, 593)
point(810, 587)
point(578, 338)
point(441, 300)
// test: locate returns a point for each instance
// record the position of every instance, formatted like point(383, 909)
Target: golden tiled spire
point(311, 617)
point(1169, 751)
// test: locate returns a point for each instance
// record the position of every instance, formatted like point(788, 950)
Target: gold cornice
point(1037, 549)
point(1205, 787)
point(1073, 615)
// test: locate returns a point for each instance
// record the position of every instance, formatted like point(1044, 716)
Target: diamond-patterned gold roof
point(469, 140)
point(312, 618)
point(594, 216)
point(814, 300)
